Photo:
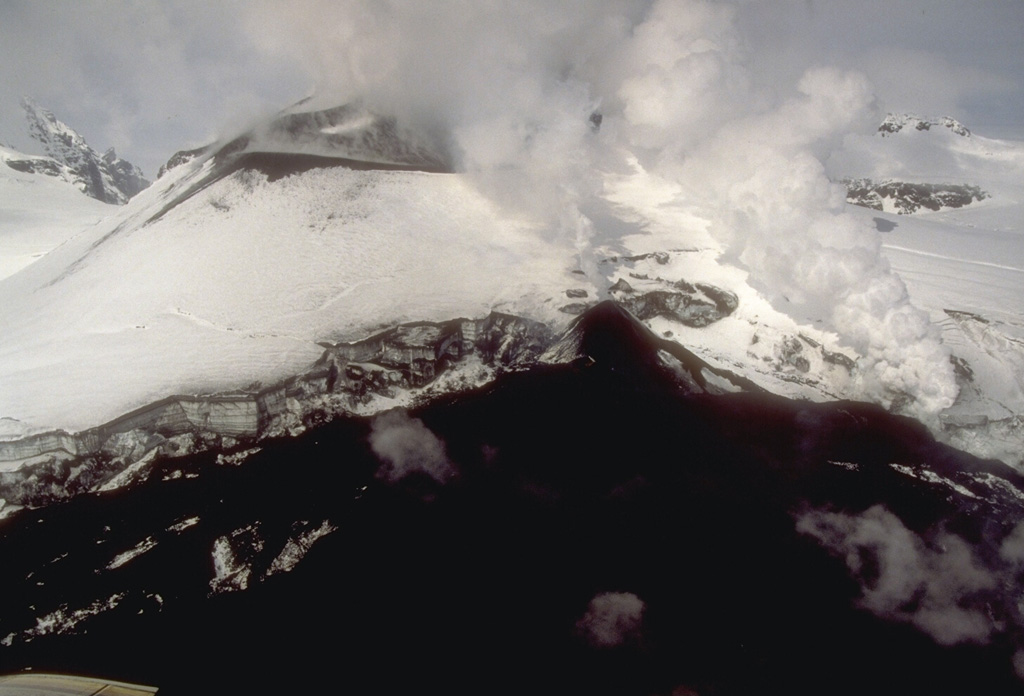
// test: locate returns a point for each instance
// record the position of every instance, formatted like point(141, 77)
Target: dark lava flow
point(572, 481)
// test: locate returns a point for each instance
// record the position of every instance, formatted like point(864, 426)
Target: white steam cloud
point(766, 192)
point(935, 582)
point(406, 446)
point(507, 89)
point(612, 619)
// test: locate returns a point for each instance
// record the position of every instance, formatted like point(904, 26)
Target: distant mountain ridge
point(894, 123)
point(106, 177)
point(905, 198)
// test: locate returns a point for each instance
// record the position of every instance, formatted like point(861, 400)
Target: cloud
point(927, 83)
point(1012, 548)
point(938, 585)
point(151, 78)
point(925, 56)
point(679, 73)
point(406, 446)
point(754, 168)
point(612, 619)
point(507, 89)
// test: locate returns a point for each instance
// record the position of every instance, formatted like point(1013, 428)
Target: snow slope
point(937, 155)
point(238, 283)
point(38, 212)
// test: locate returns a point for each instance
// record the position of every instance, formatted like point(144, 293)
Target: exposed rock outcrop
point(127, 178)
point(36, 165)
point(695, 305)
point(348, 131)
point(179, 158)
point(894, 123)
point(610, 339)
point(906, 198)
point(106, 178)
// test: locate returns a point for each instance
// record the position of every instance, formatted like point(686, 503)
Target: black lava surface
point(572, 481)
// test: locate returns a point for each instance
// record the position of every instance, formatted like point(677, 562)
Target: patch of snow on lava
point(64, 621)
point(297, 548)
point(184, 524)
point(142, 547)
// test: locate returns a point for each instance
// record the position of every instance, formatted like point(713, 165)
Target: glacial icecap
point(210, 281)
point(572, 169)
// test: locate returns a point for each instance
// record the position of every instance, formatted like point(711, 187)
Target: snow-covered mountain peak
point(106, 178)
point(894, 123)
point(957, 167)
point(59, 141)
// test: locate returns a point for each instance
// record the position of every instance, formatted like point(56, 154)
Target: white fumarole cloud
point(406, 446)
point(612, 619)
point(938, 585)
point(508, 90)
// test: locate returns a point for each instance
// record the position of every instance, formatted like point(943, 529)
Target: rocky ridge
point(905, 198)
point(894, 123)
point(348, 131)
point(106, 177)
point(181, 157)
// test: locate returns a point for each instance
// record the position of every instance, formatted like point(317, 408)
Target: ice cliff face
point(245, 261)
point(407, 364)
point(106, 177)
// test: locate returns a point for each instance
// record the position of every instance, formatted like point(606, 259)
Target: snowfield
point(38, 212)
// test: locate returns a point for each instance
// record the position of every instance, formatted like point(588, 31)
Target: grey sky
point(150, 78)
